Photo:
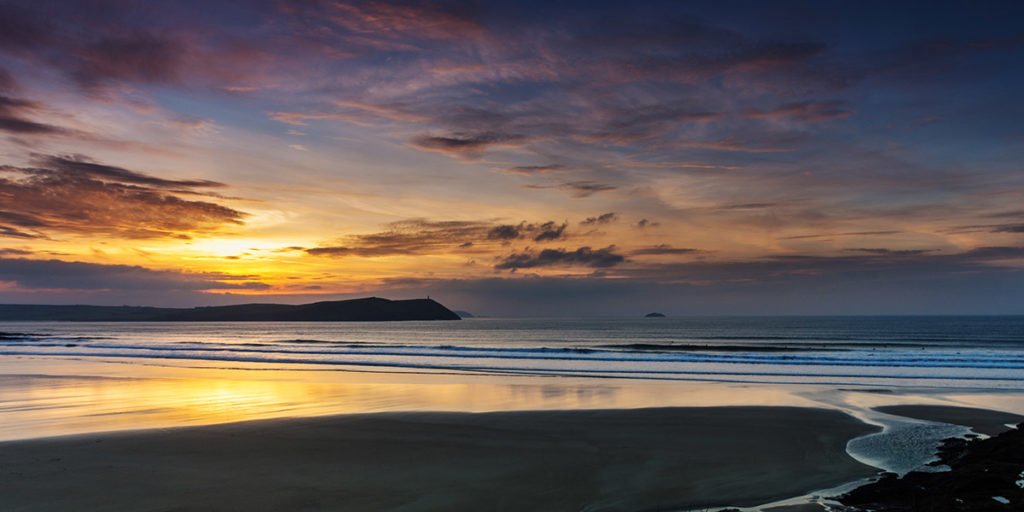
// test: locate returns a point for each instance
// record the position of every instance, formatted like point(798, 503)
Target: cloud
point(28, 274)
point(80, 165)
point(76, 194)
point(14, 118)
point(662, 249)
point(98, 47)
point(805, 112)
point(20, 30)
point(584, 256)
point(9, 232)
point(873, 263)
point(135, 58)
point(578, 189)
point(535, 169)
point(504, 232)
point(1009, 228)
point(393, 26)
point(646, 223)
point(550, 231)
point(414, 236)
point(467, 145)
point(842, 234)
point(604, 218)
point(892, 252)
point(422, 236)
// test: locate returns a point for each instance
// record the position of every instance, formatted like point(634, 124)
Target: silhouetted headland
point(371, 309)
point(654, 315)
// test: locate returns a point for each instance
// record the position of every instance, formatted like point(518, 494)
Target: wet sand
point(544, 460)
point(982, 421)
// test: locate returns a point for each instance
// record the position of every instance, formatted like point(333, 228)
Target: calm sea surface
point(944, 352)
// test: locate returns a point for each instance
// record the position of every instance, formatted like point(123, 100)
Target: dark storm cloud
point(72, 275)
point(582, 257)
point(76, 194)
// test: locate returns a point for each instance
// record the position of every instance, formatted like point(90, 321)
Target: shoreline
point(633, 459)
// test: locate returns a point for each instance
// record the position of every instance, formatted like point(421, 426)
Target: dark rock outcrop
point(985, 475)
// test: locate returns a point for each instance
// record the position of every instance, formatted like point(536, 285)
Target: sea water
point(947, 352)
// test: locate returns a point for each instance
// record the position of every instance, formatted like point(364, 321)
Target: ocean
point(936, 352)
point(66, 378)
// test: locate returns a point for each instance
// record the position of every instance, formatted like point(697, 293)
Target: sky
point(516, 158)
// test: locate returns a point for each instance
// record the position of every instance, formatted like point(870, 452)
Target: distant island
point(371, 309)
point(654, 315)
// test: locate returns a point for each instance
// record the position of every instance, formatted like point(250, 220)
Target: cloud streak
point(77, 195)
point(32, 274)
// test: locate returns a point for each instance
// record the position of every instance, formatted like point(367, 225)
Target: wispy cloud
point(33, 274)
point(422, 236)
point(77, 194)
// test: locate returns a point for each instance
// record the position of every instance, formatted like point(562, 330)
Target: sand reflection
point(47, 398)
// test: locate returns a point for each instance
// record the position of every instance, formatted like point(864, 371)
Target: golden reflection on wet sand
point(50, 397)
point(41, 398)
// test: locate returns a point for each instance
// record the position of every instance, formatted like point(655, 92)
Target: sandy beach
point(645, 459)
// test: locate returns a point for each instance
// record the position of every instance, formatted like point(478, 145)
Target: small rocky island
point(654, 315)
point(370, 309)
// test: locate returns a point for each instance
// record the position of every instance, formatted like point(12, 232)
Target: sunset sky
point(515, 158)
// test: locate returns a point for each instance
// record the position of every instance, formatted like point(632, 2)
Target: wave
point(641, 373)
point(346, 353)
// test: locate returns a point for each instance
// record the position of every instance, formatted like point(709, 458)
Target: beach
point(597, 415)
point(643, 459)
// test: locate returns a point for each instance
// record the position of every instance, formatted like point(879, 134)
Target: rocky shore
point(985, 475)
